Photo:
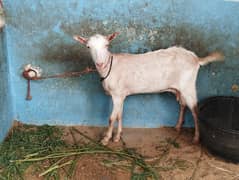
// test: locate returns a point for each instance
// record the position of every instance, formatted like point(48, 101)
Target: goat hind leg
point(181, 101)
point(181, 117)
point(191, 101)
point(195, 117)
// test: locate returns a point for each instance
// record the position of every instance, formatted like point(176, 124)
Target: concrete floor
point(174, 154)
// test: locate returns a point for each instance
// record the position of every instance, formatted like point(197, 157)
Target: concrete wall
point(6, 111)
point(40, 32)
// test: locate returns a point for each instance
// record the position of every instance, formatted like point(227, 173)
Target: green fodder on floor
point(42, 147)
point(27, 140)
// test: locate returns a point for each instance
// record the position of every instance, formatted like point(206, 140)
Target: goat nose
point(99, 64)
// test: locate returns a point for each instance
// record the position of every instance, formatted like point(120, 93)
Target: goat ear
point(112, 36)
point(80, 39)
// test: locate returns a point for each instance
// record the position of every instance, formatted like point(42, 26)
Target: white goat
point(174, 69)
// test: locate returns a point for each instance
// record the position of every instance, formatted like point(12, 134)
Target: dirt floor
point(173, 156)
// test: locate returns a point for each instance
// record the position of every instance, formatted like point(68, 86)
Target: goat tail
point(215, 56)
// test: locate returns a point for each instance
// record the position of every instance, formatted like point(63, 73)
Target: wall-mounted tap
point(31, 73)
point(35, 73)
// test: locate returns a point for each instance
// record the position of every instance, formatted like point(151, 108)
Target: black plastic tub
point(219, 126)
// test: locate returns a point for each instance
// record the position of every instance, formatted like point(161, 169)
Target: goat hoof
point(195, 140)
point(116, 139)
point(178, 128)
point(104, 141)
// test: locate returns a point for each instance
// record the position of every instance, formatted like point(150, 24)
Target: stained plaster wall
point(40, 32)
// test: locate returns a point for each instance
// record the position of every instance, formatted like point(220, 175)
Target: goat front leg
point(119, 129)
point(116, 114)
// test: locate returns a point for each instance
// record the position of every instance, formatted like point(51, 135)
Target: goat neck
point(105, 68)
